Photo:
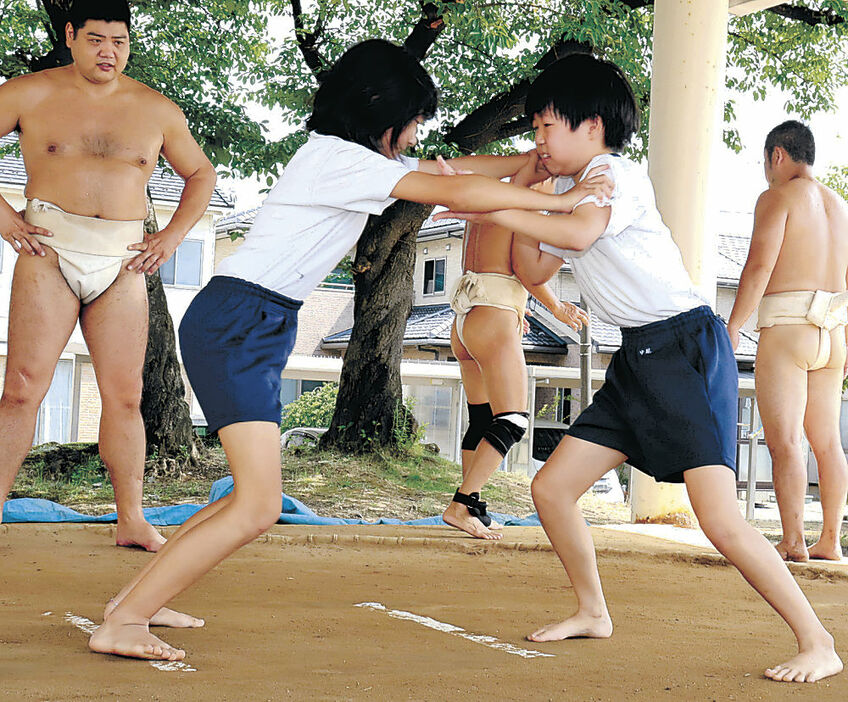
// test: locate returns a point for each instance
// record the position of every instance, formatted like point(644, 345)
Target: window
point(185, 266)
point(54, 416)
point(310, 385)
point(431, 406)
point(434, 276)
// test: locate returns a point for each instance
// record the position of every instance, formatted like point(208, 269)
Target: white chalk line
point(431, 623)
point(88, 627)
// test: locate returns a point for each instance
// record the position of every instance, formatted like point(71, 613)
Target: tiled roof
point(606, 336)
point(747, 344)
point(431, 226)
point(732, 254)
point(237, 221)
point(431, 324)
point(165, 185)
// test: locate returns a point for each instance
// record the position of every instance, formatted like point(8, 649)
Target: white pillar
point(687, 110)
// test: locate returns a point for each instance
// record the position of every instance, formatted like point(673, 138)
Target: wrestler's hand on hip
point(155, 250)
point(19, 233)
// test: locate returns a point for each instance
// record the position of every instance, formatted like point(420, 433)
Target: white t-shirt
point(633, 274)
point(315, 214)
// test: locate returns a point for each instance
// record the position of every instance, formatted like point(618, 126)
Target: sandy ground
point(282, 621)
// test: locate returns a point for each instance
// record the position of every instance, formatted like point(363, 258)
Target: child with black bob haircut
point(668, 405)
point(239, 330)
point(398, 88)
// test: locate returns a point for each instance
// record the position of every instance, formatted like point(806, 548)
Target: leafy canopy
point(215, 57)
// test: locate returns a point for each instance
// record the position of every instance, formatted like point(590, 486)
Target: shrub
point(311, 409)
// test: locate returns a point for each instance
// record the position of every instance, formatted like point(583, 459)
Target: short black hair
point(373, 87)
point(580, 86)
point(107, 10)
point(796, 138)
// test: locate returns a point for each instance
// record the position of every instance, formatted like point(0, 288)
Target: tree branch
point(60, 54)
point(503, 116)
point(426, 31)
point(808, 15)
point(307, 42)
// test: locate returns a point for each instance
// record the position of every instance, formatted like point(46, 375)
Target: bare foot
point(164, 617)
point(456, 515)
point(807, 667)
point(578, 626)
point(826, 552)
point(495, 525)
point(133, 641)
point(797, 553)
point(139, 535)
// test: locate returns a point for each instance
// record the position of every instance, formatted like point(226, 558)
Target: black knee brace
point(479, 419)
point(506, 430)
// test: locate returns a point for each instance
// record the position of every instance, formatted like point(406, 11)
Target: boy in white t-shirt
point(669, 402)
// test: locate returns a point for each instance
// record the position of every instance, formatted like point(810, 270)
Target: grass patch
point(404, 485)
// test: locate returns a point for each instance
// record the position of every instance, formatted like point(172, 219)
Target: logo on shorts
point(645, 351)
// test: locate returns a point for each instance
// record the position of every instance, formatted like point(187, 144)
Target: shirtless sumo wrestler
point(90, 139)
point(796, 269)
point(489, 300)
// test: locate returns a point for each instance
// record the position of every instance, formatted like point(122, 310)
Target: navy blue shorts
point(235, 339)
point(669, 400)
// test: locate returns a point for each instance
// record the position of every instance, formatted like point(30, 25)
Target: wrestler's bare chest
point(102, 131)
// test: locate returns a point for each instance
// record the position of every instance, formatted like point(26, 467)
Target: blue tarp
point(293, 512)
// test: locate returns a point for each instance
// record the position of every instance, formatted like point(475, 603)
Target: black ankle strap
point(476, 506)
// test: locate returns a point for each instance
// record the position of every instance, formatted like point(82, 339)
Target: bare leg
point(165, 616)
point(492, 340)
point(824, 394)
point(253, 451)
point(475, 392)
point(712, 492)
point(42, 315)
point(570, 471)
point(115, 330)
point(781, 380)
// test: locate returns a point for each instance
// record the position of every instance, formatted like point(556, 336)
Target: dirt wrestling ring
point(405, 613)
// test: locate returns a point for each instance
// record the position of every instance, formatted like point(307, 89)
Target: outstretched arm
point(769, 229)
point(576, 231)
point(487, 165)
point(474, 193)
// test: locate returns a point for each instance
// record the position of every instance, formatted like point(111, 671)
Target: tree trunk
point(370, 400)
point(167, 418)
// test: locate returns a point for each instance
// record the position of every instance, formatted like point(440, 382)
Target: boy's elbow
point(582, 241)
